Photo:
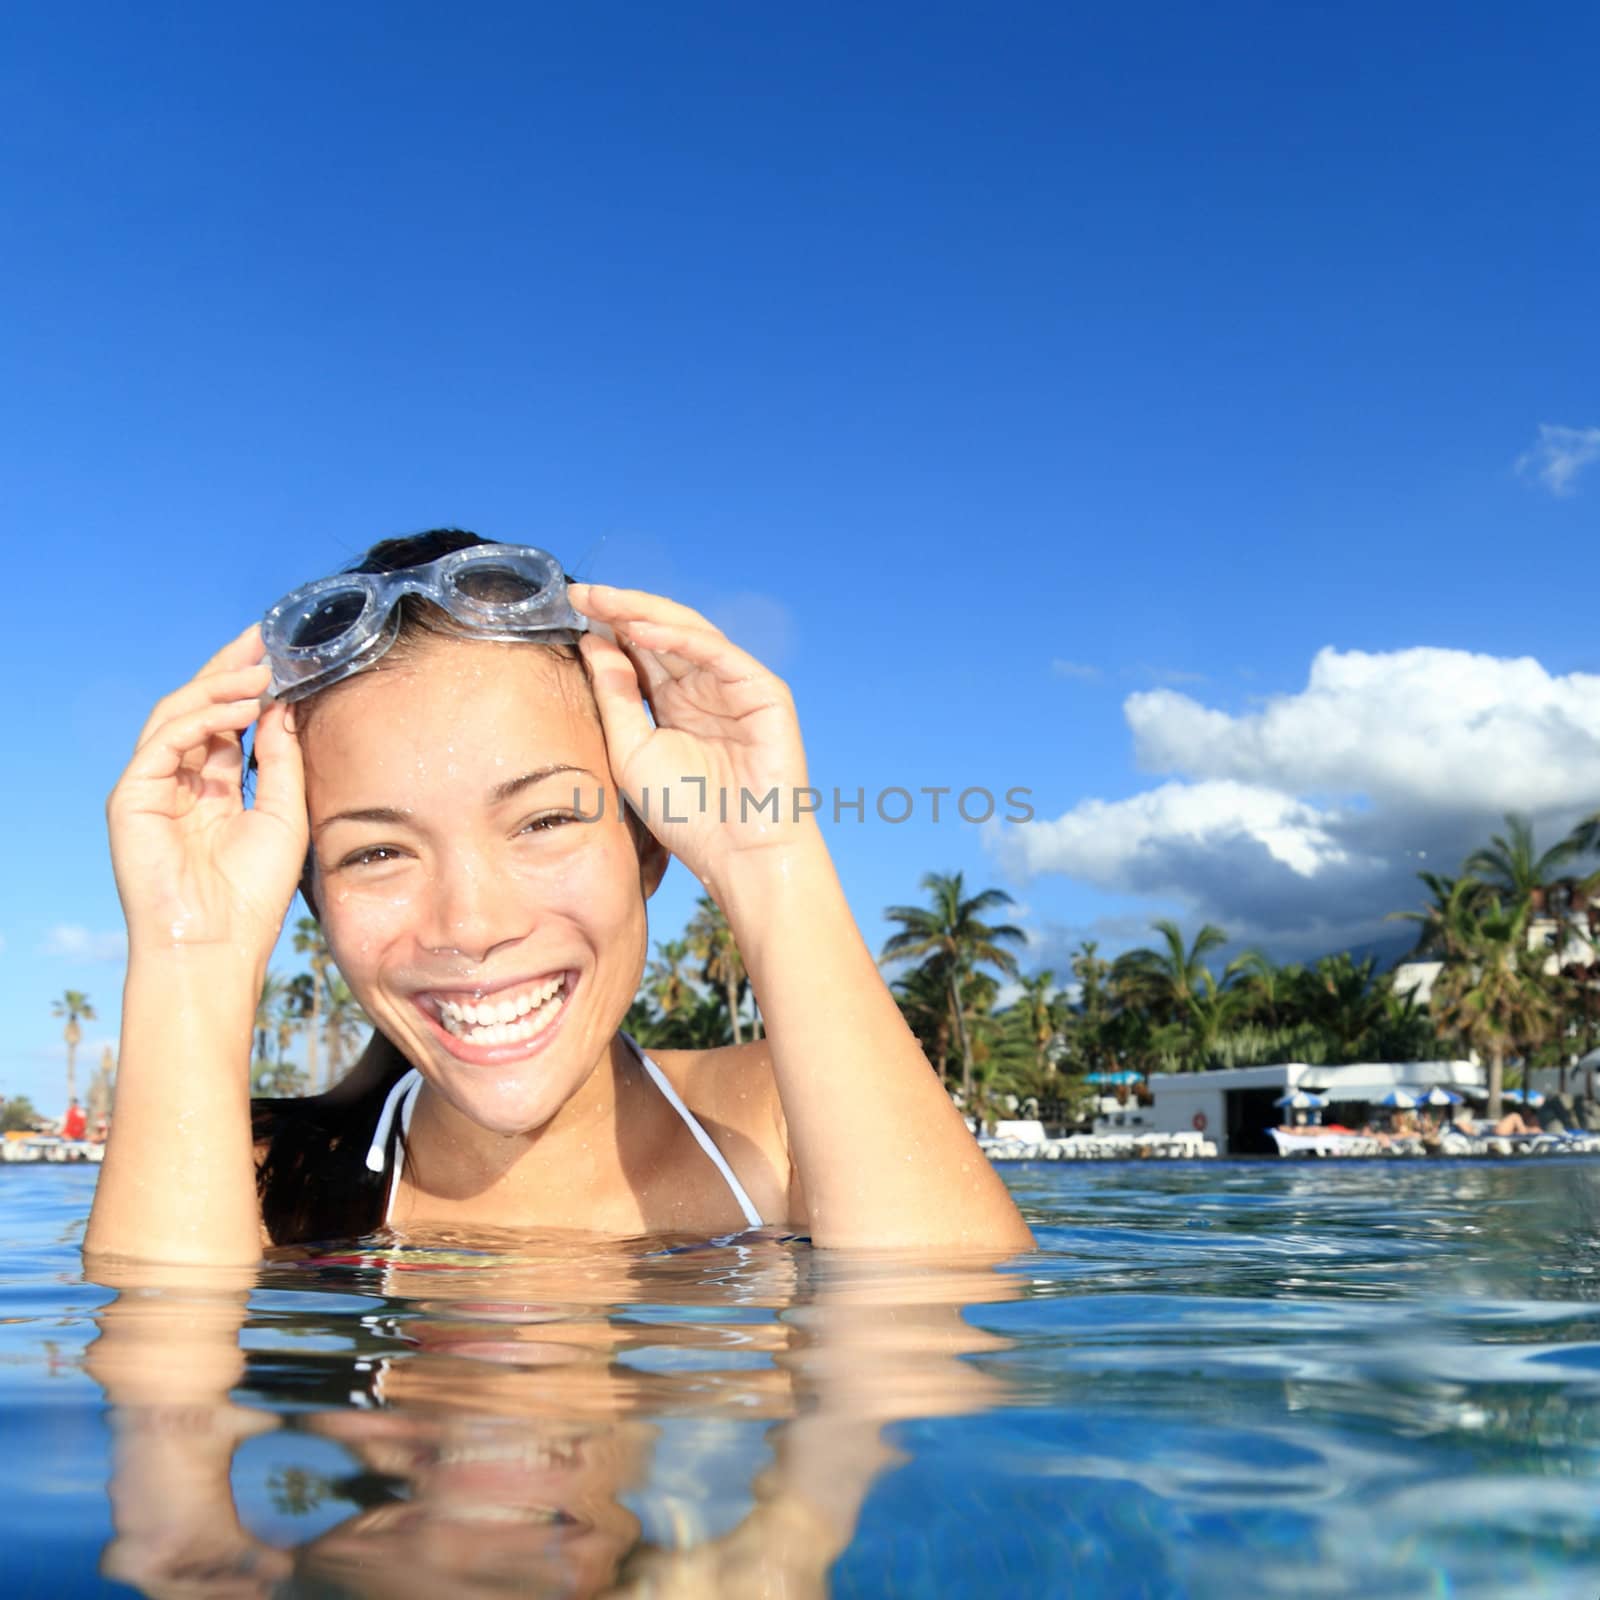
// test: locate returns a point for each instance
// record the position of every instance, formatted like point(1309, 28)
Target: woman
point(443, 775)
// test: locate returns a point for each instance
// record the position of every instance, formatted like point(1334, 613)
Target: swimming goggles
point(335, 627)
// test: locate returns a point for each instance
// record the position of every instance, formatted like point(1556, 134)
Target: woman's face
point(491, 934)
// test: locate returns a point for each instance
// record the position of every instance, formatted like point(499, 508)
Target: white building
point(1417, 978)
point(1235, 1107)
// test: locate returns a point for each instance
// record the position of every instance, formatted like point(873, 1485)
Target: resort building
point(1237, 1107)
point(1417, 978)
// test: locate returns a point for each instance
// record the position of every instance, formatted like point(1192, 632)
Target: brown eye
point(372, 855)
point(552, 819)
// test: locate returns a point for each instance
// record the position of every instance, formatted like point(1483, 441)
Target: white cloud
point(1559, 456)
point(71, 939)
point(1079, 670)
point(1424, 727)
point(1304, 820)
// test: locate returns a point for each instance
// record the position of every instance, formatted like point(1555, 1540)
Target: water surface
point(1212, 1379)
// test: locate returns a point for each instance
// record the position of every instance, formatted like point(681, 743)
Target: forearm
point(168, 1357)
point(178, 1182)
point(884, 1157)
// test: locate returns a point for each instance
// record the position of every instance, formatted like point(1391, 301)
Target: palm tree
point(1445, 926)
point(643, 1025)
point(274, 989)
point(666, 982)
point(1164, 980)
point(711, 941)
point(951, 936)
point(1405, 1031)
point(102, 1087)
point(1210, 1011)
point(1090, 1018)
point(1344, 999)
point(1037, 1009)
point(1580, 915)
point(309, 942)
point(342, 1022)
point(1585, 838)
point(1492, 996)
point(1270, 990)
point(280, 1079)
point(702, 1024)
point(289, 1016)
point(1511, 866)
point(924, 1000)
point(1005, 1054)
point(75, 1007)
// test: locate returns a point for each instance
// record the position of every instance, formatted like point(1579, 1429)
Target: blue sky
point(1142, 405)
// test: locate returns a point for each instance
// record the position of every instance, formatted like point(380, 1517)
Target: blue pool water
point(1217, 1379)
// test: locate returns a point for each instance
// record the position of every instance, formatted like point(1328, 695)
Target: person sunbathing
point(1514, 1123)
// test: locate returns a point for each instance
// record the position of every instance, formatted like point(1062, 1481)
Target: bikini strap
point(378, 1150)
point(402, 1098)
point(702, 1138)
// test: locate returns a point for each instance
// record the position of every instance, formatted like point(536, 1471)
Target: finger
point(652, 673)
point(280, 769)
point(234, 683)
point(683, 648)
point(175, 742)
point(243, 650)
point(623, 718)
point(618, 605)
point(223, 760)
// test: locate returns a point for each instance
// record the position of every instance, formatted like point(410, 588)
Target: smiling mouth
point(508, 1017)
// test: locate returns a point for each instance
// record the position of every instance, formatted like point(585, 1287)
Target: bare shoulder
point(732, 1084)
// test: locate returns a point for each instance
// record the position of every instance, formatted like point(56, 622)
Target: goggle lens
point(488, 585)
point(329, 629)
point(330, 617)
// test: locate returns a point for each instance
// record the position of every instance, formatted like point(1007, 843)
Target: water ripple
point(1218, 1380)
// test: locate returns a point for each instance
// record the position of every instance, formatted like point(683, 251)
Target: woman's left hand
point(722, 771)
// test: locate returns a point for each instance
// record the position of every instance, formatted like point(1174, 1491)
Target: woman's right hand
point(193, 865)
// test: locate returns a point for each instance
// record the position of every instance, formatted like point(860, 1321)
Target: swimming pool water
point(1212, 1379)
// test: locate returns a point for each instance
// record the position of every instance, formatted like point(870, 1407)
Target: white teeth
point(507, 1021)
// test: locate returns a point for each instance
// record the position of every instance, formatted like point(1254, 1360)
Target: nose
point(472, 910)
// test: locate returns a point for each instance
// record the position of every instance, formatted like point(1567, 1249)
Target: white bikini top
point(401, 1102)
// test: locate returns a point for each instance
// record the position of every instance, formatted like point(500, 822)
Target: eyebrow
point(390, 816)
point(513, 786)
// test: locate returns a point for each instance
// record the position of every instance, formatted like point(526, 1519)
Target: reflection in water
point(442, 1415)
point(1212, 1381)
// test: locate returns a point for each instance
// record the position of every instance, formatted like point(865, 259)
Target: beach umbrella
point(1400, 1100)
point(1301, 1100)
point(1519, 1097)
point(1438, 1096)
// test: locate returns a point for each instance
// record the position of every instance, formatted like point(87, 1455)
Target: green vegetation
point(956, 947)
point(1517, 933)
point(75, 1007)
point(18, 1115)
point(315, 1005)
point(696, 991)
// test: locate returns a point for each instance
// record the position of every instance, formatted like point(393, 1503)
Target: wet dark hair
point(313, 1182)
